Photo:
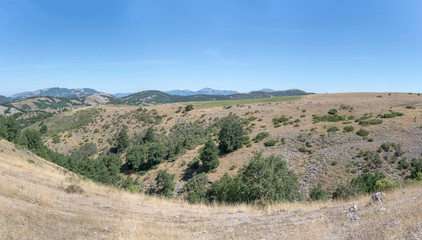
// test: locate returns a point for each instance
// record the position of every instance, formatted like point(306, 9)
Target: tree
point(262, 180)
point(43, 129)
point(156, 153)
point(189, 108)
point(231, 134)
point(164, 184)
point(122, 141)
point(150, 135)
point(136, 156)
point(209, 156)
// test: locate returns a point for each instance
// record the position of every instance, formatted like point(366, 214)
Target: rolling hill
point(40, 200)
point(56, 92)
point(320, 148)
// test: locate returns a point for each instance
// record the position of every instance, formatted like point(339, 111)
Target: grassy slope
point(35, 205)
point(312, 168)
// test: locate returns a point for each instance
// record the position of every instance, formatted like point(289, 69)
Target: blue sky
point(129, 46)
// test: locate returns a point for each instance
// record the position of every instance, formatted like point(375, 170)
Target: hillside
point(158, 97)
point(37, 202)
point(203, 91)
point(4, 99)
point(56, 92)
point(312, 142)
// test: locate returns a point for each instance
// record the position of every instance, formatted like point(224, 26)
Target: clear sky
point(129, 46)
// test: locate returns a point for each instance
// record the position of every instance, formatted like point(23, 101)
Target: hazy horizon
point(131, 46)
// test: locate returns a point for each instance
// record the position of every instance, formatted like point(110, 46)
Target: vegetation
point(318, 194)
point(231, 134)
point(348, 129)
point(260, 136)
point(362, 133)
point(209, 156)
point(359, 185)
point(164, 184)
point(263, 180)
point(270, 143)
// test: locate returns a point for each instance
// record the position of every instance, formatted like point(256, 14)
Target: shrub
point(403, 164)
point(333, 163)
point(332, 129)
point(252, 118)
point(332, 112)
point(385, 147)
point(348, 129)
point(195, 163)
point(164, 184)
point(74, 189)
point(122, 141)
point(384, 185)
point(270, 143)
point(136, 156)
point(318, 194)
point(362, 133)
point(416, 171)
point(281, 119)
point(260, 136)
point(231, 134)
point(189, 108)
point(263, 180)
point(303, 149)
point(370, 122)
point(209, 156)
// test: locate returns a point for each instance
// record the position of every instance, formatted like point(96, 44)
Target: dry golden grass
point(35, 205)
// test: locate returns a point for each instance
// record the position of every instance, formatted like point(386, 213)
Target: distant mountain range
point(4, 99)
point(204, 91)
point(56, 92)
point(88, 96)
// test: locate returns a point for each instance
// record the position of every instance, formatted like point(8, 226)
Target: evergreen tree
point(209, 156)
point(136, 156)
point(164, 184)
point(122, 141)
point(231, 134)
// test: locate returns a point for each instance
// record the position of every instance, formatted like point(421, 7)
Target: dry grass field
point(34, 204)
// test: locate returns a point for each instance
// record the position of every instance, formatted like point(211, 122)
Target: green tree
point(136, 156)
point(156, 153)
point(263, 180)
point(150, 135)
point(231, 134)
point(164, 184)
point(189, 108)
point(209, 156)
point(43, 129)
point(122, 141)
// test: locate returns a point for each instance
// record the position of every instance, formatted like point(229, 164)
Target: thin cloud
point(218, 57)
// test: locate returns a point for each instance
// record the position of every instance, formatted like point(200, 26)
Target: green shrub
point(231, 134)
point(332, 129)
point(164, 184)
point(333, 163)
point(303, 149)
point(370, 122)
point(384, 185)
point(260, 136)
point(189, 108)
point(392, 114)
point(122, 141)
point(332, 112)
point(263, 180)
point(416, 171)
point(252, 118)
point(136, 156)
point(270, 143)
point(362, 133)
point(281, 119)
point(348, 129)
point(318, 194)
point(209, 156)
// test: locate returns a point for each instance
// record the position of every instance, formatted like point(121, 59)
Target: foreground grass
point(227, 103)
point(35, 205)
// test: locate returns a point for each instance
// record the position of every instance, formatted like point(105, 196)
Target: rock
point(378, 196)
point(353, 208)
